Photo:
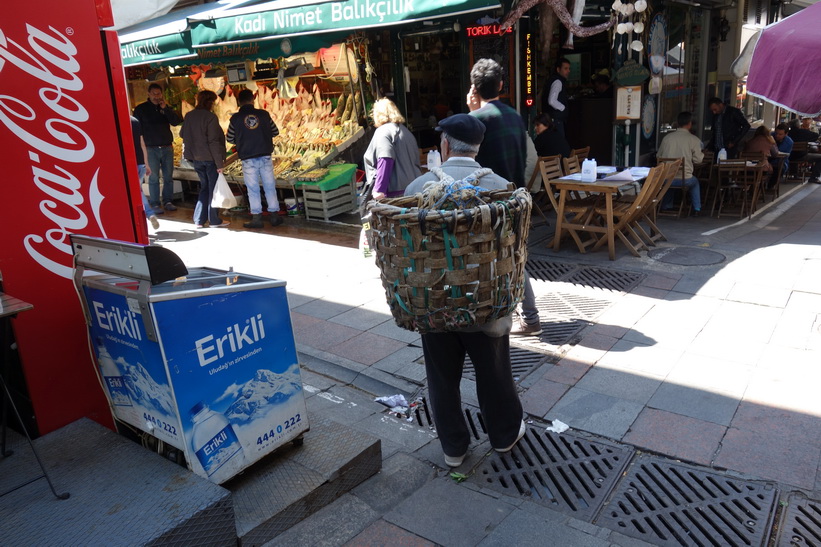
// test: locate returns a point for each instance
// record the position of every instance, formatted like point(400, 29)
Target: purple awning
point(786, 64)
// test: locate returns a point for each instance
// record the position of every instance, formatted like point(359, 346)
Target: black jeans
point(496, 391)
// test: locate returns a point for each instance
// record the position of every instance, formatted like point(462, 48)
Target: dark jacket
point(202, 137)
point(156, 123)
point(558, 115)
point(253, 131)
point(734, 127)
point(551, 143)
point(503, 149)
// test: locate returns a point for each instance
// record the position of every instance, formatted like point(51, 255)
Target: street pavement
point(710, 357)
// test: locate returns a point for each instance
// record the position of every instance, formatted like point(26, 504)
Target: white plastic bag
point(223, 196)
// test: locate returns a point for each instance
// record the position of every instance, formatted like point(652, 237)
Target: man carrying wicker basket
point(488, 344)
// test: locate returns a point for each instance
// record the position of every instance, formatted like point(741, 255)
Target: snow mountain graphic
point(144, 389)
point(265, 390)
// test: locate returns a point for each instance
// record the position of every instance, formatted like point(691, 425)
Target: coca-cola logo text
point(50, 120)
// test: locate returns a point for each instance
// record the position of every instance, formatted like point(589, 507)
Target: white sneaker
point(154, 222)
point(455, 461)
point(522, 430)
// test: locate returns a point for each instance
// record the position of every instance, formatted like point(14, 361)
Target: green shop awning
point(158, 48)
point(268, 49)
point(282, 19)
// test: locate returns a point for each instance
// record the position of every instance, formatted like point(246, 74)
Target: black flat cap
point(464, 127)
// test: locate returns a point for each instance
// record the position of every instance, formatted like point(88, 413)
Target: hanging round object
point(636, 45)
point(617, 5)
point(628, 27)
point(620, 28)
point(638, 28)
point(641, 5)
point(629, 9)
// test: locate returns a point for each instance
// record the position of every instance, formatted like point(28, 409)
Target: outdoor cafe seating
point(739, 184)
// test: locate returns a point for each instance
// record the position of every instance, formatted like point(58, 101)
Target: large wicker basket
point(446, 270)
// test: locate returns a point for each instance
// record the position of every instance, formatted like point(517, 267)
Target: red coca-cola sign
point(69, 167)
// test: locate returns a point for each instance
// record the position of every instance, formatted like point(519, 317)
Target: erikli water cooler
point(202, 359)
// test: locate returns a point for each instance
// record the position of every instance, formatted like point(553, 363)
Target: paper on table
point(639, 171)
point(622, 175)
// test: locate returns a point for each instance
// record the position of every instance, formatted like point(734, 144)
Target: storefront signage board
point(65, 127)
point(171, 46)
point(632, 73)
point(628, 103)
point(322, 17)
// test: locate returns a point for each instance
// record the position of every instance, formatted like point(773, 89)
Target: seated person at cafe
point(762, 142)
point(683, 144)
point(783, 142)
point(548, 141)
point(802, 133)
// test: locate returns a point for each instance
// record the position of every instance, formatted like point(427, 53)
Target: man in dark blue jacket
point(156, 119)
point(253, 131)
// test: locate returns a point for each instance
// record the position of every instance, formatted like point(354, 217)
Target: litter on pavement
point(558, 426)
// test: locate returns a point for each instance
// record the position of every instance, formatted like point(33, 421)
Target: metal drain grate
point(522, 362)
point(667, 503)
point(563, 472)
point(587, 276)
point(549, 271)
point(603, 278)
point(800, 523)
point(571, 305)
point(422, 416)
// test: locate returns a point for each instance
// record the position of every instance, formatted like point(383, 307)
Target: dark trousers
point(496, 391)
point(203, 212)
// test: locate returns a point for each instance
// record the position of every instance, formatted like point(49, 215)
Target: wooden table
point(604, 187)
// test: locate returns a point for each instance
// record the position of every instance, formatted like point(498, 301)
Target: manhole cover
point(800, 523)
point(522, 362)
point(667, 503)
point(563, 472)
point(685, 256)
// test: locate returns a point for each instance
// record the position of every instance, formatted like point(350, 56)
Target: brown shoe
point(520, 328)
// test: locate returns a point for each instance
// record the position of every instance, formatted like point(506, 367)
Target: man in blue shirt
point(784, 143)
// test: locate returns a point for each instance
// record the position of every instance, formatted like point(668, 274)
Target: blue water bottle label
point(221, 448)
point(117, 391)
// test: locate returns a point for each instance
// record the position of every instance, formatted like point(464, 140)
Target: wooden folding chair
point(670, 188)
point(705, 174)
point(628, 214)
point(571, 165)
point(799, 167)
point(738, 180)
point(536, 187)
point(580, 209)
point(581, 153)
point(653, 232)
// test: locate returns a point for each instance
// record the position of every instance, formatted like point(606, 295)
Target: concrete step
point(123, 494)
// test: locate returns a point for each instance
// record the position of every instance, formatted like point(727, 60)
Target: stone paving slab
point(449, 514)
point(675, 435)
point(595, 412)
point(114, 484)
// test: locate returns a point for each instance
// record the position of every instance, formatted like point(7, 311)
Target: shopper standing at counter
point(204, 146)
point(156, 119)
point(392, 158)
point(253, 131)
